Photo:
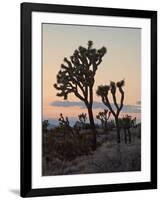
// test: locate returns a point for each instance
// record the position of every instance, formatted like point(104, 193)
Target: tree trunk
point(91, 120)
point(118, 130)
point(106, 124)
point(102, 123)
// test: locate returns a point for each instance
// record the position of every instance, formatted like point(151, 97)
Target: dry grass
point(108, 157)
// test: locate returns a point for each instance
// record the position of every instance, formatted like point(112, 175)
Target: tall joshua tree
point(77, 76)
point(103, 91)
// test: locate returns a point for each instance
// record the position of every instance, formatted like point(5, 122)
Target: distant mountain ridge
point(54, 122)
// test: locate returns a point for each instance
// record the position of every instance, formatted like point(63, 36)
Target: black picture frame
point(26, 104)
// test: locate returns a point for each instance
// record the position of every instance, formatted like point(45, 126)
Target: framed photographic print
point(88, 99)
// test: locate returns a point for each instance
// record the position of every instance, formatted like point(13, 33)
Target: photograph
point(88, 99)
point(91, 99)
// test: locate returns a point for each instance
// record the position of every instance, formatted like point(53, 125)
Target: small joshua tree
point(103, 117)
point(63, 122)
point(126, 123)
point(64, 125)
point(77, 76)
point(103, 91)
point(82, 118)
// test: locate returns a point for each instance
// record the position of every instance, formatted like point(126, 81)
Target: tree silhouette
point(63, 122)
point(103, 117)
point(103, 91)
point(64, 126)
point(82, 118)
point(126, 123)
point(77, 76)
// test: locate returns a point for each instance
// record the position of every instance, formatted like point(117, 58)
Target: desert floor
point(108, 157)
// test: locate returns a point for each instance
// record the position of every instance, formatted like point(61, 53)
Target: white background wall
point(9, 98)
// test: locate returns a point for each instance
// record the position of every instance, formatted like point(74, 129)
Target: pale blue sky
point(122, 60)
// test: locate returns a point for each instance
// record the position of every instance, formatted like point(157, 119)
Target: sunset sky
point(122, 61)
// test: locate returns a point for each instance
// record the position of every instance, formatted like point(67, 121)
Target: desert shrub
point(87, 126)
point(45, 125)
point(68, 146)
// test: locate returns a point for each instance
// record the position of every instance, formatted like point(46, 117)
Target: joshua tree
point(77, 76)
point(64, 126)
point(82, 118)
point(103, 91)
point(103, 117)
point(63, 123)
point(126, 123)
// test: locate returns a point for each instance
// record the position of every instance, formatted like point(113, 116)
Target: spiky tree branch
point(77, 73)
